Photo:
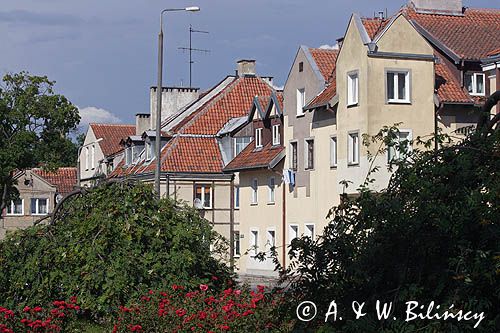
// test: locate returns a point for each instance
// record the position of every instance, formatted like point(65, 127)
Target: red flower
point(203, 287)
point(214, 278)
point(260, 288)
point(180, 312)
point(225, 327)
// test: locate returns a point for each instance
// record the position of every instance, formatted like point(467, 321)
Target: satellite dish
point(197, 204)
point(59, 197)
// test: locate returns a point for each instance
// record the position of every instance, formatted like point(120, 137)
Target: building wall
point(87, 176)
point(38, 189)
point(262, 217)
point(172, 100)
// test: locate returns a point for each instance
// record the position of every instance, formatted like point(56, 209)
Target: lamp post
point(159, 91)
point(78, 171)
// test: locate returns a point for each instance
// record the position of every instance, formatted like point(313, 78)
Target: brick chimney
point(142, 123)
point(246, 67)
point(445, 7)
point(173, 99)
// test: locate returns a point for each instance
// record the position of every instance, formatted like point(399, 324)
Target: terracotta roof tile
point(494, 52)
point(325, 60)
point(449, 89)
point(324, 96)
point(472, 36)
point(64, 179)
point(251, 158)
point(374, 25)
point(111, 135)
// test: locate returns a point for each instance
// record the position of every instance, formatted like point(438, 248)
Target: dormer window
point(128, 155)
point(474, 82)
point(149, 151)
point(276, 135)
point(258, 138)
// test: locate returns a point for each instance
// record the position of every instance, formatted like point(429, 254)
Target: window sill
point(352, 105)
point(44, 214)
point(356, 164)
point(237, 256)
point(399, 102)
point(309, 169)
point(477, 94)
point(254, 203)
point(14, 214)
point(300, 115)
point(333, 167)
point(271, 203)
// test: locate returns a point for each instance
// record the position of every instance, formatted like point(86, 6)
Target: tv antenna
point(191, 49)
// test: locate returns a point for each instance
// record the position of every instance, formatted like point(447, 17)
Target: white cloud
point(92, 114)
point(329, 47)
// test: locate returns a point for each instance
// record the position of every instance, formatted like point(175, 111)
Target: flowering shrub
point(37, 319)
point(203, 310)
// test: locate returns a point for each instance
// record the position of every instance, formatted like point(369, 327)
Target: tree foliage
point(34, 127)
point(432, 235)
point(108, 246)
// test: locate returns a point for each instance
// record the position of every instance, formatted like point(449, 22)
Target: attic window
point(276, 135)
point(301, 67)
point(474, 82)
point(258, 138)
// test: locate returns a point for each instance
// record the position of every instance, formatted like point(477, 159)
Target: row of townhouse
point(264, 166)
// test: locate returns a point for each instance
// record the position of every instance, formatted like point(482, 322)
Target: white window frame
point(254, 242)
point(128, 156)
point(292, 234)
point(294, 154)
point(87, 157)
point(352, 88)
point(12, 209)
point(397, 98)
point(333, 151)
point(271, 190)
point(271, 237)
point(258, 138)
point(148, 148)
point(308, 232)
point(301, 101)
point(237, 244)
point(255, 191)
point(353, 148)
point(306, 154)
point(276, 135)
point(203, 187)
point(37, 206)
point(92, 157)
point(474, 91)
point(236, 197)
point(397, 153)
point(244, 143)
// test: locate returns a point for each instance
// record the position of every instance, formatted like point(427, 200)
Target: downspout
point(231, 225)
point(283, 244)
point(438, 109)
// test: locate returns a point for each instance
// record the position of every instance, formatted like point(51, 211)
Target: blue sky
point(103, 53)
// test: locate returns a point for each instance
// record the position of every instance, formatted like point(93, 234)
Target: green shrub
point(108, 246)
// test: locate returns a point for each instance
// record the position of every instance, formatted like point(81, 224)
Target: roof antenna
point(191, 49)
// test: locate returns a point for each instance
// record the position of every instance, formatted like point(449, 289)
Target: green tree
point(109, 245)
point(432, 235)
point(34, 127)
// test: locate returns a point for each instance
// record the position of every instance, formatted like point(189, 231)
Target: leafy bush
point(203, 310)
point(107, 246)
point(433, 235)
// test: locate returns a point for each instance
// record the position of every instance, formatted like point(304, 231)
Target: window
point(301, 101)
point(293, 159)
point(293, 232)
point(353, 148)
point(149, 151)
point(301, 67)
point(128, 155)
point(310, 154)
point(39, 206)
point(87, 156)
point(16, 207)
point(258, 138)
point(254, 242)
point(255, 187)
point(237, 249)
point(271, 238)
point(333, 151)
point(398, 86)
point(276, 135)
point(309, 231)
point(204, 194)
point(400, 147)
point(236, 197)
point(92, 156)
point(271, 186)
point(352, 88)
point(240, 143)
point(474, 82)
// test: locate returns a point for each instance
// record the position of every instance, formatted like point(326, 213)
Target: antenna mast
point(191, 49)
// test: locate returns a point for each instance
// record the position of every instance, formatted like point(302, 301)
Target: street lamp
point(78, 159)
point(159, 91)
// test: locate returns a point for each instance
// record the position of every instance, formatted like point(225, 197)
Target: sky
point(103, 53)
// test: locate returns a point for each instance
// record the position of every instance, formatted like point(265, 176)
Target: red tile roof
point(374, 25)
point(449, 89)
point(64, 179)
point(325, 60)
point(251, 158)
point(472, 36)
point(324, 96)
point(111, 135)
point(494, 52)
